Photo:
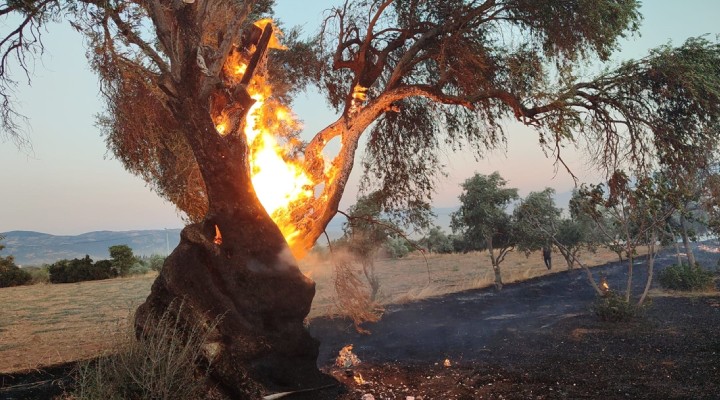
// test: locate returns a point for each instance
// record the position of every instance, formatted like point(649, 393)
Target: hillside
point(35, 248)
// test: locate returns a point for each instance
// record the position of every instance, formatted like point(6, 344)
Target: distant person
point(547, 256)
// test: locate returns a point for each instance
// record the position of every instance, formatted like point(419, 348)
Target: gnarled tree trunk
point(249, 279)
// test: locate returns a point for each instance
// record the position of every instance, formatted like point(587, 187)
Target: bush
point(156, 262)
point(167, 362)
point(12, 275)
point(38, 274)
point(79, 270)
point(139, 268)
point(614, 308)
point(396, 247)
point(686, 278)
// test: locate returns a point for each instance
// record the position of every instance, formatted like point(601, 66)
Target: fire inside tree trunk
point(249, 280)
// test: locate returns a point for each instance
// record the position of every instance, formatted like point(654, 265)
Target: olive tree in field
point(186, 84)
point(539, 223)
point(536, 221)
point(638, 210)
point(483, 221)
point(122, 258)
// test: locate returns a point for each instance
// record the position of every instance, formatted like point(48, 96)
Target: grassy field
point(48, 324)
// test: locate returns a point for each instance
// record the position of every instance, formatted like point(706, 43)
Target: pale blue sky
point(69, 185)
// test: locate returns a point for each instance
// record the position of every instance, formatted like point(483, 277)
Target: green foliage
point(686, 277)
point(156, 262)
point(139, 268)
point(38, 274)
point(396, 247)
point(123, 259)
point(536, 221)
point(11, 274)
point(481, 217)
point(79, 270)
point(437, 241)
point(614, 308)
point(165, 362)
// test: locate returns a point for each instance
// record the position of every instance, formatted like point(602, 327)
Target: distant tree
point(537, 221)
point(436, 241)
point(80, 269)
point(371, 228)
point(11, 274)
point(156, 262)
point(638, 210)
point(482, 218)
point(122, 258)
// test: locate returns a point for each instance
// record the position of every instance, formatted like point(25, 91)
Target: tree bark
point(650, 267)
point(686, 241)
point(249, 279)
point(495, 264)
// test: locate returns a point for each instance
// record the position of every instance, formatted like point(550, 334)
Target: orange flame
point(279, 181)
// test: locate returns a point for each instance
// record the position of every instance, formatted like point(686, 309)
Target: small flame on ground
point(359, 379)
point(446, 363)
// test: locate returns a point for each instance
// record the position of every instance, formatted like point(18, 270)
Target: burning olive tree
point(195, 93)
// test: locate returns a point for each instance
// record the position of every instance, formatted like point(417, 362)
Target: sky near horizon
point(69, 184)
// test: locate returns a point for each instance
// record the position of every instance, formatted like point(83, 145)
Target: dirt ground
point(536, 339)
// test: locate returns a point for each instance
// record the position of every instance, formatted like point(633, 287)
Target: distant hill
point(35, 248)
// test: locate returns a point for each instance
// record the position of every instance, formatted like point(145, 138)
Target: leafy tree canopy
point(417, 75)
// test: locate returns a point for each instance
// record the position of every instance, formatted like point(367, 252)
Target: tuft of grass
point(167, 361)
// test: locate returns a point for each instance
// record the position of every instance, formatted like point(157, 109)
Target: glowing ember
point(446, 363)
point(359, 379)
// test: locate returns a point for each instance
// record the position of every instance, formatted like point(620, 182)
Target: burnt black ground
point(536, 339)
point(468, 325)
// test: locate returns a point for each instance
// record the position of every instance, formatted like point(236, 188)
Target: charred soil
point(673, 352)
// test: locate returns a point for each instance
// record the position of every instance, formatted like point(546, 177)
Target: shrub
point(156, 262)
point(139, 268)
point(396, 247)
point(12, 275)
point(79, 270)
point(685, 277)
point(614, 308)
point(122, 258)
point(166, 362)
point(38, 274)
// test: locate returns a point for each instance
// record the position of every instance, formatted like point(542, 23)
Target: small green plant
point(166, 362)
point(614, 308)
point(686, 277)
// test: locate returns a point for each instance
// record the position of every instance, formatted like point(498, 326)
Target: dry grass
point(50, 324)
